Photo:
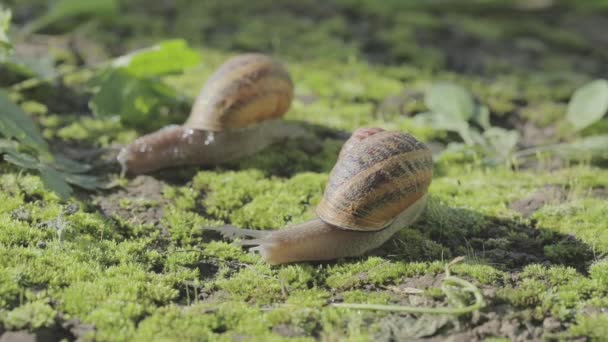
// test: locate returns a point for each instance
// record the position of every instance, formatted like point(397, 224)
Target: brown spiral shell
point(246, 89)
point(378, 175)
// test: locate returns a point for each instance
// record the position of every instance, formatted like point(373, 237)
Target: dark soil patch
point(77, 328)
point(287, 330)
point(549, 194)
point(506, 244)
point(408, 328)
point(424, 282)
point(600, 192)
point(141, 202)
point(39, 335)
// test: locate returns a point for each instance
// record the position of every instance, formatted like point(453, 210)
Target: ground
point(134, 262)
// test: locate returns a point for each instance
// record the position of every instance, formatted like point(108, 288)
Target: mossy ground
point(133, 262)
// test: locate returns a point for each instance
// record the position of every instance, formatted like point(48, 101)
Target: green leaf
point(23, 160)
point(15, 123)
point(54, 180)
point(83, 181)
point(64, 164)
point(451, 100)
point(588, 104)
point(7, 146)
point(482, 116)
point(64, 9)
point(138, 102)
point(166, 57)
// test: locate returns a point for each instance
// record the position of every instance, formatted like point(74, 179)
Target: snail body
point(378, 186)
point(237, 113)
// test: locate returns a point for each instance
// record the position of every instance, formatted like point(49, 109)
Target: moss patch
point(134, 262)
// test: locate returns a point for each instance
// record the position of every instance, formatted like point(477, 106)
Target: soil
point(144, 199)
point(549, 194)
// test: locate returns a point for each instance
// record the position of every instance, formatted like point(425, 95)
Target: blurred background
point(482, 36)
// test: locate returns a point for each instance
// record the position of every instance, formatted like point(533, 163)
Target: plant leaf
point(445, 122)
point(83, 181)
point(588, 104)
point(23, 160)
point(7, 146)
point(138, 102)
point(64, 164)
point(451, 100)
point(55, 182)
point(15, 123)
point(482, 116)
point(166, 57)
point(502, 142)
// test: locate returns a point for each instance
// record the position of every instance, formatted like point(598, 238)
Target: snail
point(377, 186)
point(236, 114)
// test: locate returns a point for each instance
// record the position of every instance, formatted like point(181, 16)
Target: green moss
point(117, 299)
point(185, 227)
point(591, 326)
point(9, 287)
point(483, 273)
point(256, 283)
point(31, 316)
point(413, 245)
point(359, 296)
point(98, 131)
point(527, 294)
point(301, 312)
point(599, 273)
point(239, 197)
point(227, 251)
point(183, 198)
point(583, 218)
point(171, 323)
point(294, 157)
point(374, 270)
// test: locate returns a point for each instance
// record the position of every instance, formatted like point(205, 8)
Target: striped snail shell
point(236, 114)
point(378, 186)
point(378, 175)
point(246, 89)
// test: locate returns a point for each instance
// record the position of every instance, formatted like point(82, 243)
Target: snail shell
point(378, 186)
point(246, 89)
point(235, 115)
point(375, 179)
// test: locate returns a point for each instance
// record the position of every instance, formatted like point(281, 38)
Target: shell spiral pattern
point(378, 175)
point(247, 89)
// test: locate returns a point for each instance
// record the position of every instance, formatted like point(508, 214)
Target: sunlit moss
point(172, 281)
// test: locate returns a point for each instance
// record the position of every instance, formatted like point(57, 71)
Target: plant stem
point(449, 280)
